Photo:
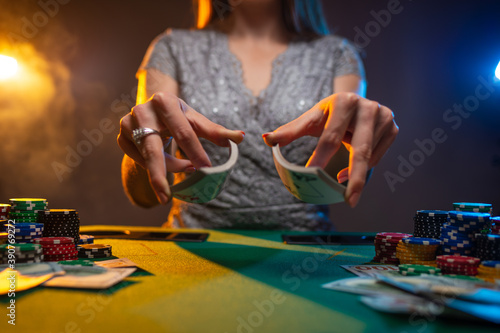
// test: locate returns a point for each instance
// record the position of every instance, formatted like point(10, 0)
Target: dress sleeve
point(347, 60)
point(161, 55)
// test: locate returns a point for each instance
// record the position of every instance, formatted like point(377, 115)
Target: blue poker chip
point(491, 263)
point(28, 225)
point(28, 234)
point(421, 241)
point(468, 216)
point(457, 241)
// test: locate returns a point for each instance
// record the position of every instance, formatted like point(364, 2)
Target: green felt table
point(236, 281)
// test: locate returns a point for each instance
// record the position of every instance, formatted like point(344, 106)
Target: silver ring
point(139, 133)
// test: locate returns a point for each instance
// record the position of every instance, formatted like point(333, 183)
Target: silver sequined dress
point(210, 81)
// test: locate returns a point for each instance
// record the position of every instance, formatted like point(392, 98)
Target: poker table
point(235, 281)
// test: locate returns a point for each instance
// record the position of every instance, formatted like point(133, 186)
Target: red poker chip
point(54, 240)
point(59, 246)
point(387, 240)
point(458, 259)
point(59, 257)
point(59, 252)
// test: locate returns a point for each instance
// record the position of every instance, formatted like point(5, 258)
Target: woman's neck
point(257, 20)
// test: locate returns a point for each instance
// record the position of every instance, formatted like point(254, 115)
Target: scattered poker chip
point(86, 239)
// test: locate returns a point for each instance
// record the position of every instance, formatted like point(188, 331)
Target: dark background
point(420, 63)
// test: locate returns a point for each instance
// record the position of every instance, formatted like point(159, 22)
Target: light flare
point(8, 67)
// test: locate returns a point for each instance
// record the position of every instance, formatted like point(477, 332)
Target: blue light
point(497, 71)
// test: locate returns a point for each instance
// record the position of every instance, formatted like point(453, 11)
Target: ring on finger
point(140, 133)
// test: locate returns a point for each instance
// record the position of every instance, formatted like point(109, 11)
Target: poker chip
point(428, 223)
point(76, 262)
point(419, 269)
point(86, 239)
point(61, 223)
point(385, 247)
point(487, 247)
point(20, 253)
point(417, 250)
point(93, 251)
point(456, 264)
point(469, 216)
point(472, 207)
point(421, 241)
point(54, 240)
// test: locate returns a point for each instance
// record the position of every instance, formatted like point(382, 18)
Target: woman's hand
point(364, 126)
point(172, 117)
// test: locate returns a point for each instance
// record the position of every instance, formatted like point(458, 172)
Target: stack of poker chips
point(385, 247)
point(417, 250)
point(94, 251)
point(487, 246)
point(459, 265)
point(25, 210)
point(428, 223)
point(489, 271)
point(57, 248)
point(414, 270)
point(21, 253)
point(495, 225)
point(458, 234)
point(27, 232)
point(61, 223)
point(4, 211)
point(86, 239)
point(473, 207)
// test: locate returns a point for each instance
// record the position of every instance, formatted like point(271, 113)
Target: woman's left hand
point(366, 128)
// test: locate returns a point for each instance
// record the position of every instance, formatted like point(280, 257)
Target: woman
point(254, 68)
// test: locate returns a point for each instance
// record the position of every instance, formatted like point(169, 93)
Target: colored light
point(8, 67)
point(497, 71)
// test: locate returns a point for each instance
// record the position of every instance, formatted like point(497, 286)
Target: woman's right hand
point(172, 117)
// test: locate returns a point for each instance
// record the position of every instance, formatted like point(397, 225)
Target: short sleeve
point(161, 55)
point(347, 60)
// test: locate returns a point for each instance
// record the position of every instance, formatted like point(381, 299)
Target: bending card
point(206, 183)
point(311, 184)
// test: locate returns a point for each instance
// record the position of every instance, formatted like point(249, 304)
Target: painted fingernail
point(353, 199)
point(265, 135)
point(242, 133)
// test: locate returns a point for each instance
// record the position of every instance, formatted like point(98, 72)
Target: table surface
point(236, 281)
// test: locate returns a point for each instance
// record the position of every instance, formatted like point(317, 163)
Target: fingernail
point(265, 135)
point(343, 178)
point(190, 169)
point(353, 199)
point(242, 133)
point(163, 198)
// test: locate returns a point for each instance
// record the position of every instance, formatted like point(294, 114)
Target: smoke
point(37, 105)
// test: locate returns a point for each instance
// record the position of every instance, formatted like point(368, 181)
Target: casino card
point(116, 263)
point(206, 183)
point(86, 277)
point(311, 184)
